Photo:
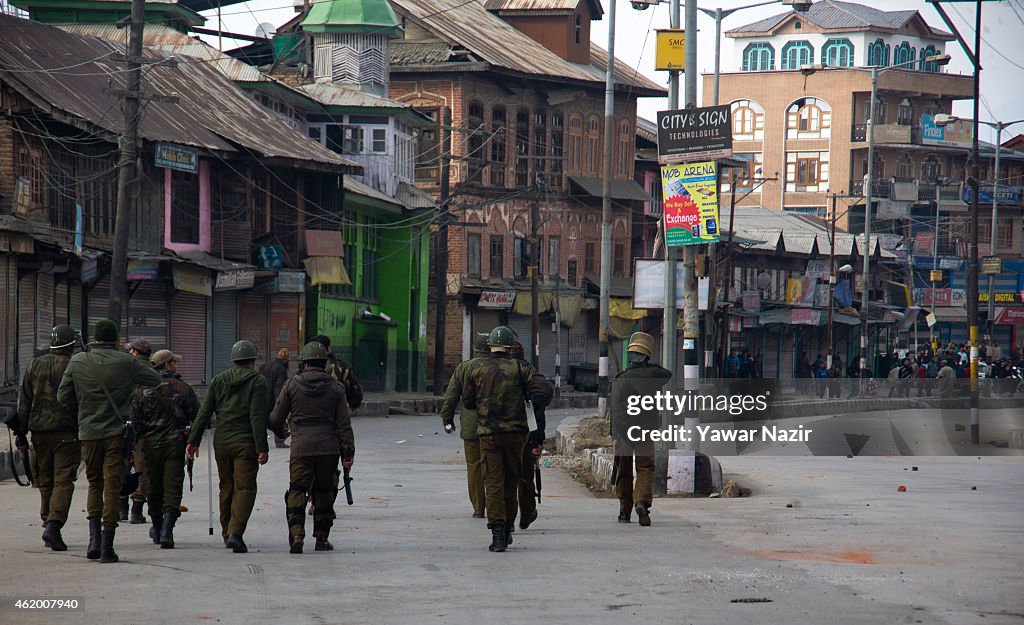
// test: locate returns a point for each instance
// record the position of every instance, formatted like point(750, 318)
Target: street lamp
point(800, 6)
point(807, 70)
point(944, 120)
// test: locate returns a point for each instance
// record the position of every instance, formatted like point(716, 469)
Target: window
point(380, 140)
point(624, 153)
point(497, 260)
point(473, 255)
point(904, 53)
point(591, 147)
point(905, 113)
point(575, 144)
point(1004, 233)
point(589, 258)
point(557, 150)
point(498, 155)
point(878, 53)
point(747, 121)
point(931, 169)
point(838, 52)
point(929, 66)
point(879, 172)
point(521, 257)
point(905, 167)
point(475, 140)
point(184, 207)
point(796, 54)
point(345, 139)
point(554, 256)
point(571, 272)
point(809, 118)
point(540, 141)
point(579, 29)
point(522, 148)
point(758, 57)
point(428, 151)
point(619, 259)
point(745, 177)
point(881, 110)
point(807, 171)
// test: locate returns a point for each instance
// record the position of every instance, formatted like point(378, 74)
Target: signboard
point(892, 133)
point(649, 283)
point(991, 265)
point(1009, 316)
point(800, 291)
point(805, 317)
point(1004, 193)
point(234, 280)
point(324, 243)
point(696, 134)
point(930, 319)
point(935, 275)
point(703, 293)
point(956, 134)
point(924, 242)
point(817, 269)
point(283, 282)
point(752, 300)
point(192, 279)
point(691, 203)
point(497, 299)
point(670, 53)
point(90, 270)
point(1000, 297)
point(179, 157)
point(957, 298)
point(270, 256)
point(148, 269)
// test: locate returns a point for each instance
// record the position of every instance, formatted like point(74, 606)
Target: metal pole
point(668, 329)
point(606, 218)
point(972, 258)
point(558, 336)
point(718, 50)
point(995, 222)
point(441, 257)
point(727, 330)
point(691, 322)
point(869, 182)
point(935, 267)
point(534, 280)
point(831, 281)
point(209, 479)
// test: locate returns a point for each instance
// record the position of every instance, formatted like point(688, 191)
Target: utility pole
point(972, 254)
point(126, 174)
point(668, 328)
point(728, 274)
point(995, 227)
point(606, 220)
point(691, 325)
point(441, 254)
point(534, 277)
point(831, 281)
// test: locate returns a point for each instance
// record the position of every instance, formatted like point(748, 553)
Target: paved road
point(851, 550)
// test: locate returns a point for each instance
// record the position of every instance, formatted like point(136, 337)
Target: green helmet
point(502, 336)
point(243, 350)
point(480, 344)
point(63, 336)
point(313, 350)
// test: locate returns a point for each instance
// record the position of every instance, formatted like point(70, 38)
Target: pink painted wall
point(204, 213)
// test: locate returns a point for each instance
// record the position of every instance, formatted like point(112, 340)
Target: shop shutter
point(484, 320)
point(8, 311)
point(253, 320)
point(26, 321)
point(75, 306)
point(225, 329)
point(147, 314)
point(96, 302)
point(285, 313)
point(522, 326)
point(188, 335)
point(45, 305)
point(60, 303)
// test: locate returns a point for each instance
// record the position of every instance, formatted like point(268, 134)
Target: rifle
point(348, 486)
point(189, 462)
point(10, 418)
point(536, 479)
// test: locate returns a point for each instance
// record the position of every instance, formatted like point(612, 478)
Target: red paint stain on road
point(857, 556)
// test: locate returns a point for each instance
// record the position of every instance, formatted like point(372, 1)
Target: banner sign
point(1009, 316)
point(956, 134)
point(192, 279)
point(691, 203)
point(670, 51)
point(991, 265)
point(147, 269)
point(497, 299)
point(1004, 193)
point(696, 134)
point(649, 284)
point(179, 157)
point(234, 280)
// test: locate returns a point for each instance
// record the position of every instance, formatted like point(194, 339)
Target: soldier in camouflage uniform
point(496, 388)
point(54, 428)
point(467, 418)
point(342, 373)
point(643, 378)
point(140, 349)
point(312, 408)
point(531, 452)
point(162, 416)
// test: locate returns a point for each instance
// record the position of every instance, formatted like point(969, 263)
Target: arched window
point(747, 121)
point(575, 147)
point(931, 169)
point(522, 147)
point(809, 118)
point(929, 66)
point(878, 53)
point(591, 146)
point(624, 151)
point(904, 53)
point(879, 172)
point(796, 54)
point(905, 166)
point(758, 57)
point(881, 110)
point(498, 142)
point(475, 139)
point(838, 53)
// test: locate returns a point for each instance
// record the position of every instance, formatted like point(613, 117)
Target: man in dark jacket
point(239, 397)
point(276, 373)
point(101, 382)
point(531, 451)
point(313, 409)
point(162, 417)
point(342, 373)
point(640, 378)
point(467, 420)
point(141, 350)
point(54, 428)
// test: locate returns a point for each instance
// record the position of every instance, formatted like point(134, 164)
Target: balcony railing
point(881, 188)
point(887, 134)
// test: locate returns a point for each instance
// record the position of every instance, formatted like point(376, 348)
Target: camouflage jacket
point(467, 417)
point(38, 407)
point(497, 387)
point(162, 414)
point(636, 380)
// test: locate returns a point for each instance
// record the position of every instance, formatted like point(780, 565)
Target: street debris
point(901, 489)
point(751, 600)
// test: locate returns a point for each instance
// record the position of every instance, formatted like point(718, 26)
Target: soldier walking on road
point(341, 373)
point(239, 397)
point(140, 349)
point(101, 383)
point(468, 422)
point(276, 373)
point(312, 408)
point(640, 378)
point(54, 428)
point(162, 416)
point(531, 451)
point(495, 389)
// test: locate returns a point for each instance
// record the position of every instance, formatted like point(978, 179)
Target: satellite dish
point(266, 30)
point(764, 280)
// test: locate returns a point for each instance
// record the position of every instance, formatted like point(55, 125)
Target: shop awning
point(327, 270)
point(620, 189)
point(951, 314)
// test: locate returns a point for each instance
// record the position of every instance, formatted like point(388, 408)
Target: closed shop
point(75, 306)
point(26, 321)
point(225, 329)
point(147, 313)
point(60, 303)
point(96, 303)
point(522, 326)
point(188, 335)
point(45, 308)
point(485, 320)
point(253, 321)
point(285, 322)
point(8, 318)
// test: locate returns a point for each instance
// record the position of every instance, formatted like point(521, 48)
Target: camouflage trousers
point(527, 487)
point(56, 459)
point(503, 463)
point(105, 469)
point(316, 475)
point(139, 462)
point(165, 466)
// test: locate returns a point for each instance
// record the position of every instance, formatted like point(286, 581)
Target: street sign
point(697, 134)
point(935, 275)
point(1004, 193)
point(991, 265)
point(930, 318)
point(179, 157)
point(691, 203)
point(670, 53)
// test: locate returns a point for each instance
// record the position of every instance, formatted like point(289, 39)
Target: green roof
point(352, 16)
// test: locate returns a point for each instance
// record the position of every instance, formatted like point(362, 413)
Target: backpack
point(344, 376)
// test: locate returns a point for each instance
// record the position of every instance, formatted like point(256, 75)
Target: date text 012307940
point(43, 604)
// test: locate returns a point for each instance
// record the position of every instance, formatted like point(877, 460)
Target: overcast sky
point(1002, 25)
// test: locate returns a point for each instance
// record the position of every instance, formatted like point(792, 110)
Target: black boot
point(124, 509)
point(107, 554)
point(93, 550)
point(154, 531)
point(509, 528)
point(137, 518)
point(644, 513)
point(167, 531)
point(236, 544)
point(52, 537)
point(498, 539)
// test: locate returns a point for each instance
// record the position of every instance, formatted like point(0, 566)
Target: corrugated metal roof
point(413, 197)
point(540, 5)
point(495, 41)
point(352, 185)
point(419, 52)
point(836, 15)
point(647, 129)
point(331, 94)
point(69, 74)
